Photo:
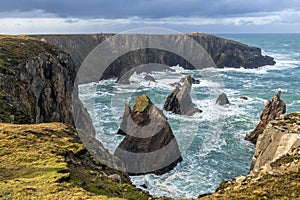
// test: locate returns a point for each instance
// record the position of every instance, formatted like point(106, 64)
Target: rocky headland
point(275, 170)
point(49, 160)
point(224, 53)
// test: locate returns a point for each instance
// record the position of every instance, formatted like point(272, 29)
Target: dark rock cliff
point(36, 85)
point(36, 79)
point(224, 53)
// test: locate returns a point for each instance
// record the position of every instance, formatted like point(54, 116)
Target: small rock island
point(149, 145)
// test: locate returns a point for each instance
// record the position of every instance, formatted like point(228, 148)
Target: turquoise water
point(212, 143)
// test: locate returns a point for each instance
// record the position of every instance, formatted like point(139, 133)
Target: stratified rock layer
point(179, 100)
point(275, 166)
point(149, 145)
point(280, 138)
point(273, 109)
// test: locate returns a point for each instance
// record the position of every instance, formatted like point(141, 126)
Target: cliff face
point(280, 138)
point(36, 79)
point(225, 53)
point(275, 170)
point(229, 53)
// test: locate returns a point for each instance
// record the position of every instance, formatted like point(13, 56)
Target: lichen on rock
point(149, 145)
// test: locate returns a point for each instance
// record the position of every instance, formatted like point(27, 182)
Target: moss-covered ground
point(13, 49)
point(33, 166)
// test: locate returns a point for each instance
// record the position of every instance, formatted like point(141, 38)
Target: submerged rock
point(222, 99)
point(194, 81)
point(179, 101)
point(272, 110)
point(244, 97)
point(149, 78)
point(149, 145)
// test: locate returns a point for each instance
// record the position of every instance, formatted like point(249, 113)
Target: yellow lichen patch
point(32, 164)
point(141, 103)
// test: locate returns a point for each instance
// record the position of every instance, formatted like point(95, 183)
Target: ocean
point(212, 143)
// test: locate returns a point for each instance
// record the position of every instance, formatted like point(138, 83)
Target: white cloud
point(38, 21)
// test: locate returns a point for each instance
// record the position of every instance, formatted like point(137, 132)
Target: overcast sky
point(94, 16)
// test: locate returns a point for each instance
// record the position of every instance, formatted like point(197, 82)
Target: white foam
point(178, 69)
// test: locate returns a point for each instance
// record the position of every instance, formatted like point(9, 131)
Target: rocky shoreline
point(275, 170)
point(36, 86)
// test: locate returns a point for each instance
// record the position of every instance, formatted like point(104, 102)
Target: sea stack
point(149, 145)
point(222, 99)
point(179, 101)
point(272, 110)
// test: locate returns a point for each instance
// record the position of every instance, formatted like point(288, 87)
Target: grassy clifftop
point(33, 166)
point(15, 48)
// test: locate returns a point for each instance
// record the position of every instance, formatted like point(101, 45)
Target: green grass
point(33, 166)
point(13, 49)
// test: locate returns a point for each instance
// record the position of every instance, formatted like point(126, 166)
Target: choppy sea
point(212, 143)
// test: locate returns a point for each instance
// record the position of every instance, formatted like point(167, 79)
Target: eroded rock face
point(225, 53)
point(179, 100)
point(222, 99)
point(275, 166)
point(40, 81)
point(149, 145)
point(280, 138)
point(273, 109)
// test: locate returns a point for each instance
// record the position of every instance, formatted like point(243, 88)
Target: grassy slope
point(33, 166)
point(13, 49)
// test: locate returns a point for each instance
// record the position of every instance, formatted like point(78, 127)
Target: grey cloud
point(149, 8)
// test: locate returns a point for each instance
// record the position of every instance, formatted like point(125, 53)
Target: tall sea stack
point(149, 145)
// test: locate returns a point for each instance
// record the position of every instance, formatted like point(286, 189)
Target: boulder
point(149, 145)
point(222, 99)
point(244, 97)
point(179, 100)
point(272, 110)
